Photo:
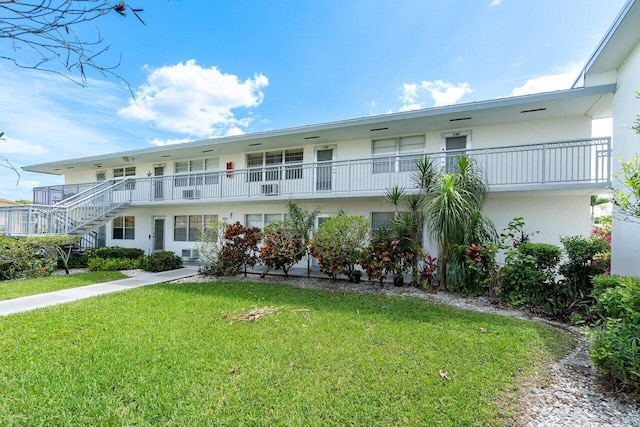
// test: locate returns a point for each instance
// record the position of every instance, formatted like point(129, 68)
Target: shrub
point(78, 261)
point(481, 270)
point(529, 274)
point(602, 282)
point(27, 257)
point(582, 265)
point(616, 336)
point(211, 242)
point(383, 256)
point(547, 256)
point(239, 250)
point(602, 233)
point(111, 252)
point(112, 264)
point(515, 233)
point(282, 247)
point(338, 244)
point(161, 261)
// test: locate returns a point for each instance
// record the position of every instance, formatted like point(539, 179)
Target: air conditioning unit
point(190, 253)
point(269, 189)
point(191, 194)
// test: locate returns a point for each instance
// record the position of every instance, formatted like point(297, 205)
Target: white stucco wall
point(626, 144)
point(552, 214)
point(525, 132)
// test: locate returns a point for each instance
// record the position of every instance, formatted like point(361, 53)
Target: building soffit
point(566, 103)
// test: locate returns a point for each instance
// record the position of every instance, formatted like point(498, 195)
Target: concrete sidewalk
point(32, 302)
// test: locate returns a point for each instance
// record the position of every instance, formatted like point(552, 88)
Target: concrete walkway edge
point(32, 302)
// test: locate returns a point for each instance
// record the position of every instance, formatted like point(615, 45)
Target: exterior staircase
point(79, 214)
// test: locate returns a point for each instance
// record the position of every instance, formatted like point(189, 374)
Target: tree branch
point(45, 30)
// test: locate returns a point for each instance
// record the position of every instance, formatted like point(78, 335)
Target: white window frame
point(270, 170)
point(197, 172)
point(124, 227)
point(192, 234)
point(263, 219)
point(396, 160)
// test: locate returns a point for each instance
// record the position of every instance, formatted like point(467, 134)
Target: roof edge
point(428, 112)
point(605, 40)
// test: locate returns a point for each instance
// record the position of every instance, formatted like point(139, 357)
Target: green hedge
point(161, 261)
point(616, 335)
point(111, 252)
point(27, 257)
point(112, 264)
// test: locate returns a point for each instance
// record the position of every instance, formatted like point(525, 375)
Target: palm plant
point(407, 227)
point(453, 206)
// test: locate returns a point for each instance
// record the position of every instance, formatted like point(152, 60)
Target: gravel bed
point(573, 393)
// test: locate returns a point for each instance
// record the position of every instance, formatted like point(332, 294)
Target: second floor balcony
point(556, 165)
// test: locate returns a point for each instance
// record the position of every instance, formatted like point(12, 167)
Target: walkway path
point(32, 302)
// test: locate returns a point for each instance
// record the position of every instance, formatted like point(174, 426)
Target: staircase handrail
point(88, 193)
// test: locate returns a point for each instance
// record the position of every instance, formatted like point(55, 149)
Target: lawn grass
point(177, 355)
point(20, 288)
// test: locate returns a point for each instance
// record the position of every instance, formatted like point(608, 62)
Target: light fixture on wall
point(127, 159)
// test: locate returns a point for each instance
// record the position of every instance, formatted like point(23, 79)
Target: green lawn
point(20, 288)
point(174, 355)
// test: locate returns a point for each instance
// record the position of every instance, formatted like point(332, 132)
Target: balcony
point(558, 165)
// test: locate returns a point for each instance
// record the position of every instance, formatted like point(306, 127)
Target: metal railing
point(68, 217)
point(567, 164)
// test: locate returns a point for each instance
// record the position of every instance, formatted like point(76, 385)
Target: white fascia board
point(339, 126)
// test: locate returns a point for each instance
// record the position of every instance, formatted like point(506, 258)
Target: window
point(253, 220)
point(271, 159)
point(119, 173)
point(211, 168)
point(261, 221)
point(291, 159)
point(124, 172)
point(385, 148)
point(188, 228)
point(101, 176)
point(124, 228)
point(195, 168)
point(271, 163)
point(254, 160)
point(408, 148)
point(381, 219)
point(456, 142)
point(397, 154)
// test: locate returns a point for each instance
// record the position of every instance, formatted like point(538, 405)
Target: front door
point(158, 187)
point(324, 169)
point(454, 143)
point(158, 234)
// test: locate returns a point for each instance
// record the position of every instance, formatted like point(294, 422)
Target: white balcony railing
point(568, 164)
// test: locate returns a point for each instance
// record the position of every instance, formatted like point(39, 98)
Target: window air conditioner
point(190, 253)
point(191, 194)
point(269, 189)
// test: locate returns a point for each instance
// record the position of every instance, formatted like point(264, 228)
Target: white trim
point(444, 136)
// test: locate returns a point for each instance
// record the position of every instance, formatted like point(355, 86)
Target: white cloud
point(190, 99)
point(11, 146)
point(415, 96)
point(495, 3)
point(45, 117)
point(550, 82)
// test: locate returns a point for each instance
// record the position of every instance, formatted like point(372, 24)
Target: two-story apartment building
point(535, 150)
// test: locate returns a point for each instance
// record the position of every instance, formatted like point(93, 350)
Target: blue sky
point(211, 68)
